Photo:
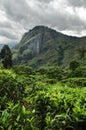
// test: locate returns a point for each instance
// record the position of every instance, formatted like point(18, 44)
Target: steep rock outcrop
point(44, 46)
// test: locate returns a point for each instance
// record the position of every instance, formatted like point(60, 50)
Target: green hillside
point(43, 46)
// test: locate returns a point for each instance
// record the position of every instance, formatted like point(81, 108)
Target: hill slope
point(44, 46)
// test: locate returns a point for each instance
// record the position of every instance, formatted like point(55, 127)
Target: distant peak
point(40, 27)
point(43, 28)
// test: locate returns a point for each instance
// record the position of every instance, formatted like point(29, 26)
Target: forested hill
point(45, 46)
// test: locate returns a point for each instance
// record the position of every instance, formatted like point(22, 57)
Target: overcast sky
point(18, 16)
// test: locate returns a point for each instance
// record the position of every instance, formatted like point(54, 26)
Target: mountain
point(45, 46)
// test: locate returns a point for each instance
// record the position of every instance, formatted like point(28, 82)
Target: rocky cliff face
point(44, 46)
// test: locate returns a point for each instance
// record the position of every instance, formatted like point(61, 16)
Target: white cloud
point(82, 13)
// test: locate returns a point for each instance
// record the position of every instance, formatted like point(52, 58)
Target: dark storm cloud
point(15, 9)
point(7, 34)
point(21, 12)
point(22, 15)
point(63, 21)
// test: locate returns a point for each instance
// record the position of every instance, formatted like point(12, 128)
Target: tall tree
point(6, 56)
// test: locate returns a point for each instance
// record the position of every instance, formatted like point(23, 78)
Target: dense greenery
point(59, 107)
point(11, 86)
point(49, 98)
point(74, 64)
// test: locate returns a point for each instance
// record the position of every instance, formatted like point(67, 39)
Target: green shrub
point(75, 82)
point(21, 69)
point(15, 117)
point(58, 107)
point(73, 65)
point(80, 72)
point(54, 72)
point(43, 70)
point(11, 86)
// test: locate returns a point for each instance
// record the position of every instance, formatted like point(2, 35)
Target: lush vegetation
point(45, 46)
point(49, 98)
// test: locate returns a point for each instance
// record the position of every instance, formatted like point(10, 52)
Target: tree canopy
point(6, 56)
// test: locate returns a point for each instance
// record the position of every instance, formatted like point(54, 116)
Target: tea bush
point(75, 82)
point(59, 107)
point(15, 117)
point(10, 86)
point(35, 102)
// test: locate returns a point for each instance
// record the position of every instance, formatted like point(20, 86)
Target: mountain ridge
point(44, 46)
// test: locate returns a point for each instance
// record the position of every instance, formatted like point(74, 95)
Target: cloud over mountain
point(18, 16)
